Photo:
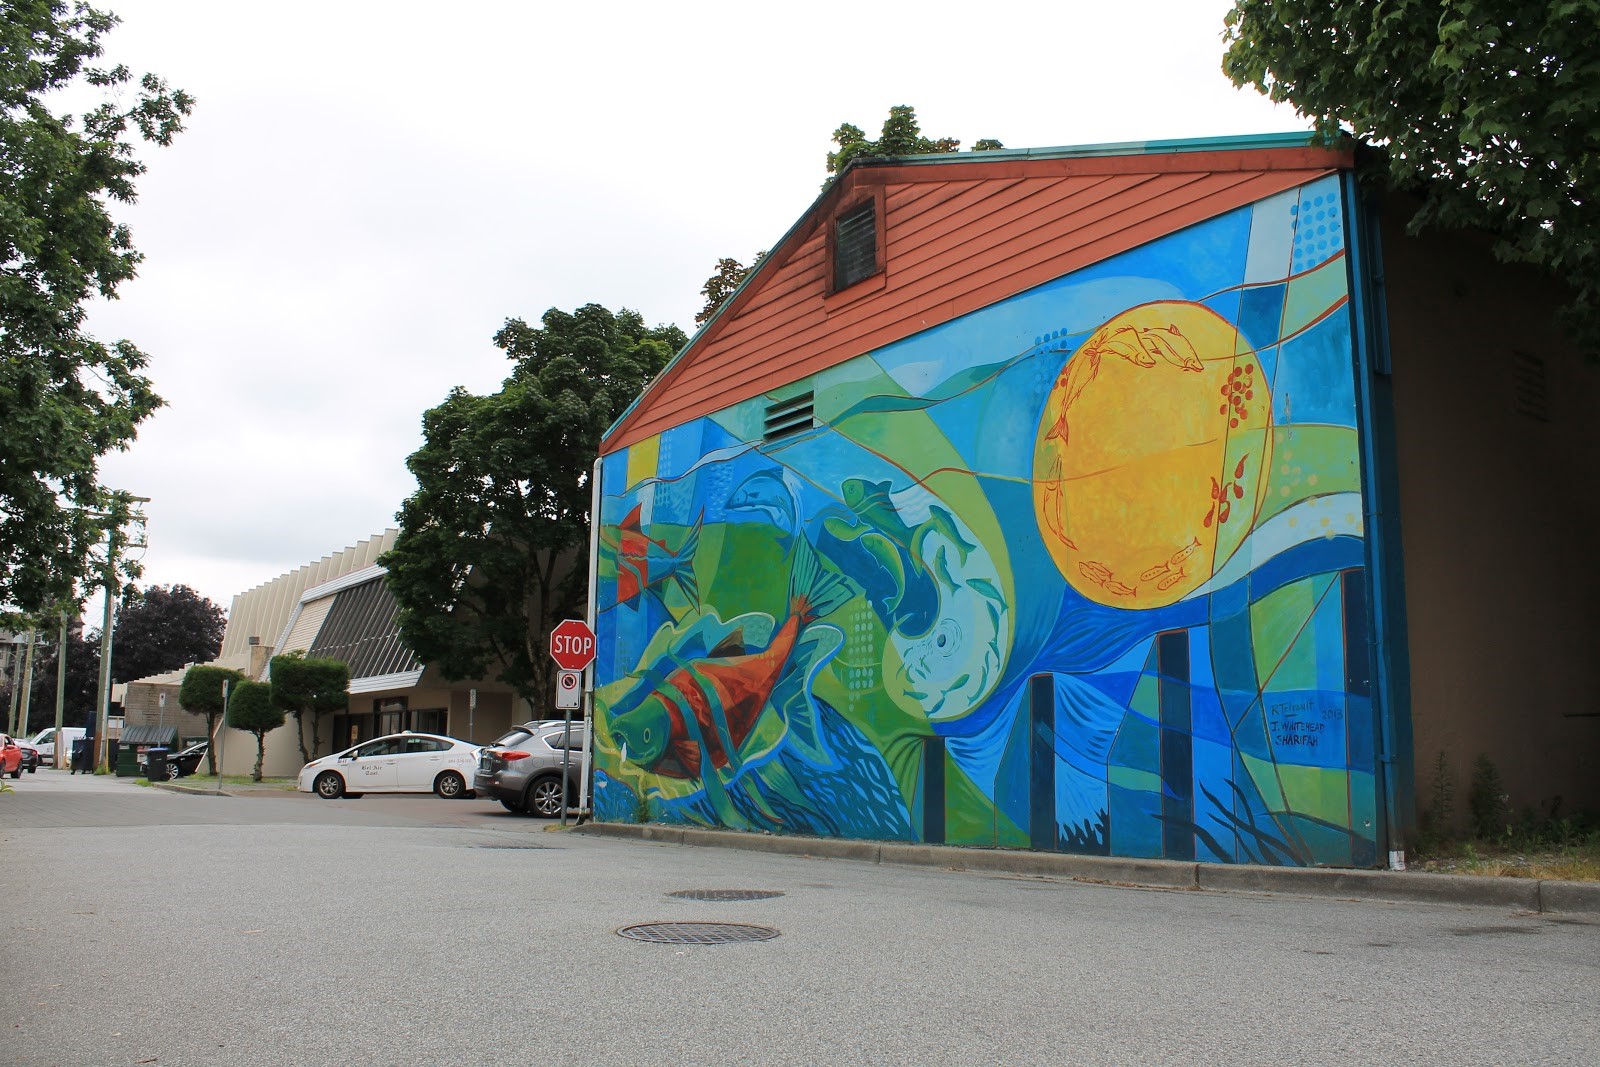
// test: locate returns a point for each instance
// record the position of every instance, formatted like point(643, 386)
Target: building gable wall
point(1083, 569)
point(958, 236)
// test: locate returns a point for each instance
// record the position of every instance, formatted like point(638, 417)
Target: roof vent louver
point(789, 417)
point(855, 246)
point(1530, 388)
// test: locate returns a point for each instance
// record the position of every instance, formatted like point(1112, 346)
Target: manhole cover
point(697, 933)
point(724, 894)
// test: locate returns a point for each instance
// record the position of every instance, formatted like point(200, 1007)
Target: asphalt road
point(158, 928)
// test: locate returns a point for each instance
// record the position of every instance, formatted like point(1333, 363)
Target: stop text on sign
point(572, 644)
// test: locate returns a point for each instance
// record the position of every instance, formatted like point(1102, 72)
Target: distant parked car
point(398, 763)
point(30, 756)
point(10, 757)
point(522, 769)
point(182, 764)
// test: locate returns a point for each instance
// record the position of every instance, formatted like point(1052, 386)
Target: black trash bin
point(81, 755)
point(155, 764)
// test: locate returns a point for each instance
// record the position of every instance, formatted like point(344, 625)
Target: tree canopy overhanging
point(66, 398)
point(1489, 109)
point(493, 546)
point(901, 136)
point(730, 274)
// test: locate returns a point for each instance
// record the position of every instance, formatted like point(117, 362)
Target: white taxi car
point(398, 763)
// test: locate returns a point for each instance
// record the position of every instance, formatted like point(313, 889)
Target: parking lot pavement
point(295, 931)
point(51, 798)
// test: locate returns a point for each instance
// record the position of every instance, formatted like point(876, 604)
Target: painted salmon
point(692, 708)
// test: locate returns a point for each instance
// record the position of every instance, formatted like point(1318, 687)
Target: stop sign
point(572, 644)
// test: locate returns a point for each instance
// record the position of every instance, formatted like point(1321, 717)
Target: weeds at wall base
point(1532, 843)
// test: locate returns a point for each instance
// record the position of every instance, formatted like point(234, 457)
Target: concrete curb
point(189, 789)
point(1521, 894)
point(230, 791)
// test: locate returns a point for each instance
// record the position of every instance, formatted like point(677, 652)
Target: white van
point(45, 742)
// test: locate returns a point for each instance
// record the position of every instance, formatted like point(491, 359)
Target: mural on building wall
point(1079, 571)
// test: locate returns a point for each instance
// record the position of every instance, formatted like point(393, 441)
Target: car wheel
point(544, 798)
point(329, 785)
point(449, 785)
point(174, 772)
point(513, 806)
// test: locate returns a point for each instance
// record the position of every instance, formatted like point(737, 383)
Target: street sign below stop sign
point(572, 644)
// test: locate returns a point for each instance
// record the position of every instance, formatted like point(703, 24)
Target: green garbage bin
point(127, 762)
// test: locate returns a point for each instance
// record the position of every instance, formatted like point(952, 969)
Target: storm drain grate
point(697, 933)
point(724, 894)
point(512, 846)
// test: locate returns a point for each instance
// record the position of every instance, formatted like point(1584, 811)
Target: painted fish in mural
point(938, 593)
point(766, 493)
point(646, 562)
point(899, 586)
point(702, 703)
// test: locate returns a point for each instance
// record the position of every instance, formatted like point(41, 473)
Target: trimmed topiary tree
point(201, 693)
point(250, 708)
point(309, 688)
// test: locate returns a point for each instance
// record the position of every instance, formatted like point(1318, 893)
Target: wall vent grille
point(1530, 386)
point(789, 417)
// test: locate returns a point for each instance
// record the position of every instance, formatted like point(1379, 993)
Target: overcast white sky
point(367, 191)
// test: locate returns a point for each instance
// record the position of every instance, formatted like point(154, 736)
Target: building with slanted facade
point(338, 608)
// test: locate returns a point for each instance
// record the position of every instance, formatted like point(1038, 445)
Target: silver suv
point(522, 769)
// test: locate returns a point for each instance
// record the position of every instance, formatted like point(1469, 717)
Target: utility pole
point(21, 729)
point(61, 687)
point(121, 512)
point(13, 658)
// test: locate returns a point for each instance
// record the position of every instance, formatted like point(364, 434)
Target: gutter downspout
point(1391, 681)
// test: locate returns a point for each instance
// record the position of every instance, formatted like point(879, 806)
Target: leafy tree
point(493, 546)
point(201, 693)
point(250, 708)
point(66, 398)
point(1490, 109)
point(901, 136)
point(162, 628)
point(83, 675)
point(309, 688)
point(729, 275)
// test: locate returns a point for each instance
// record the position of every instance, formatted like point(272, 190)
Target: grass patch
point(206, 781)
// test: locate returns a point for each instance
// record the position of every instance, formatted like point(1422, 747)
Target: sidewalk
point(1519, 894)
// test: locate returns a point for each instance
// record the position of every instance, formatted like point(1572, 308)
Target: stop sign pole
point(572, 647)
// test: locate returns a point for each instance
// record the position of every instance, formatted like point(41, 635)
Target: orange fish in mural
point(645, 562)
point(723, 690)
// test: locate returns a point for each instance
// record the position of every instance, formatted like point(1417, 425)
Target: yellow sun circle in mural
point(1152, 454)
